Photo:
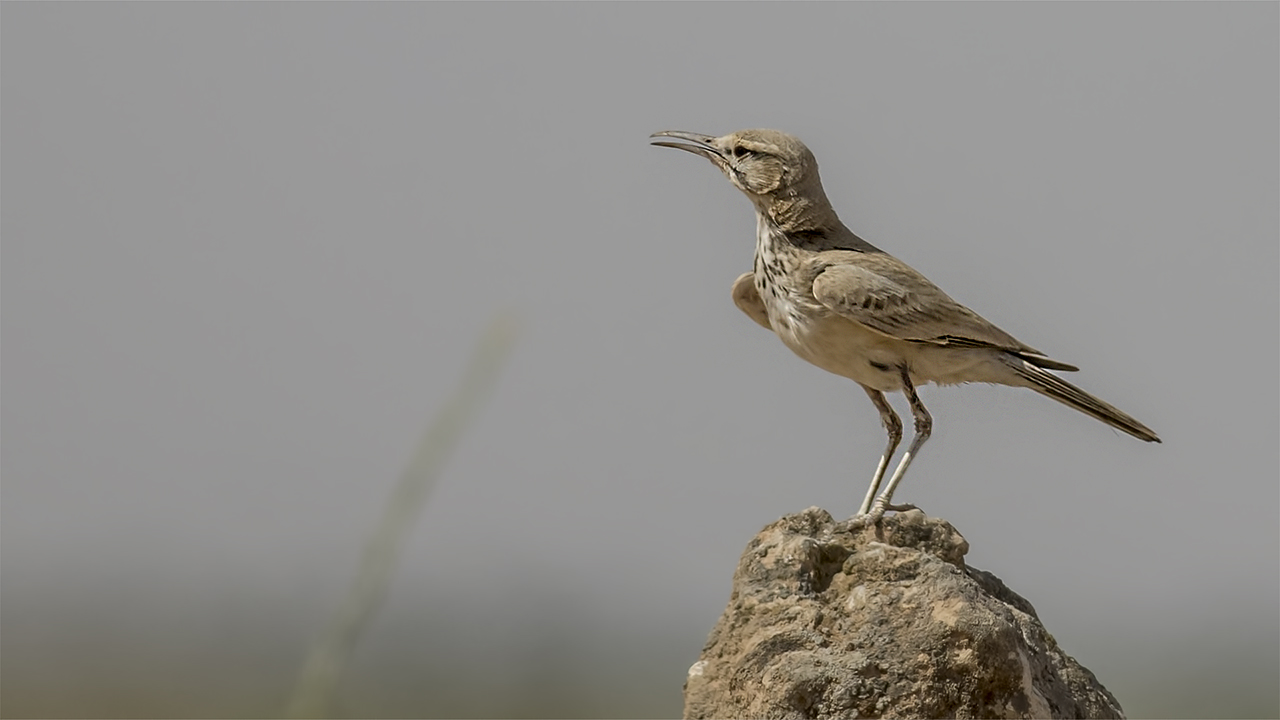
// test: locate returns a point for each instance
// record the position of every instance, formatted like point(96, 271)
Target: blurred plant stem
point(317, 686)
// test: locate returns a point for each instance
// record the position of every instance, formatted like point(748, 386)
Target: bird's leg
point(893, 425)
point(924, 426)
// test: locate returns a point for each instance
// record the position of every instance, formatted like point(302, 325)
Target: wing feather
point(884, 294)
point(748, 300)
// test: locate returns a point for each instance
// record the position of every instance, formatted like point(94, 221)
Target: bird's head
point(764, 164)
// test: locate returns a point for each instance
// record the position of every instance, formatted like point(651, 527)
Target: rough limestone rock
point(886, 622)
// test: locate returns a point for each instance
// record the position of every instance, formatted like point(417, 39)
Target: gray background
point(248, 249)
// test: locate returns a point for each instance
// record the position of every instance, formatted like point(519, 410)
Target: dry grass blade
point(317, 686)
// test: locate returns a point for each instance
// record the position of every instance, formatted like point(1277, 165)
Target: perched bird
point(854, 310)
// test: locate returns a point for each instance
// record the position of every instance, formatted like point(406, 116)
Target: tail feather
point(1048, 384)
point(1047, 362)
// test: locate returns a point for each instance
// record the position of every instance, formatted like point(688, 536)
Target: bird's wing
point(748, 300)
point(884, 294)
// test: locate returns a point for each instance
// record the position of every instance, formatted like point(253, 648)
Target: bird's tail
point(1046, 383)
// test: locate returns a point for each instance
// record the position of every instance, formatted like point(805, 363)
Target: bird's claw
point(877, 511)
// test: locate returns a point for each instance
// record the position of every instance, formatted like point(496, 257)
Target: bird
point(854, 310)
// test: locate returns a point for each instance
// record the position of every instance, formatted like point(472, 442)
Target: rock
point(828, 622)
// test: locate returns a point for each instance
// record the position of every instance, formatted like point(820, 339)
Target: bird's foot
point(878, 509)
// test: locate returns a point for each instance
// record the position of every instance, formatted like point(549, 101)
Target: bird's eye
point(739, 151)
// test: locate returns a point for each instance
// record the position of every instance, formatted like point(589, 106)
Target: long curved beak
point(697, 144)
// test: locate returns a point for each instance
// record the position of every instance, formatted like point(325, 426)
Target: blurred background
point(248, 250)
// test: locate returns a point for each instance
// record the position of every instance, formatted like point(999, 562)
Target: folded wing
point(887, 296)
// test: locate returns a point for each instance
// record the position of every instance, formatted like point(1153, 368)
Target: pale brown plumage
point(848, 307)
point(884, 294)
